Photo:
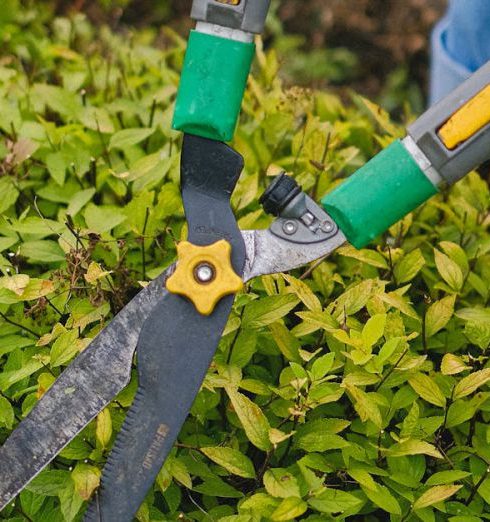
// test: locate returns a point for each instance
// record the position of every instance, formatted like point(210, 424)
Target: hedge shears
point(176, 322)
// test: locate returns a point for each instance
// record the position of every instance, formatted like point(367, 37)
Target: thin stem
point(13, 323)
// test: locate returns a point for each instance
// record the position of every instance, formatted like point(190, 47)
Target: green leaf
point(414, 447)
point(232, 460)
point(45, 251)
point(428, 389)
point(449, 270)
point(9, 378)
point(64, 348)
point(370, 257)
point(452, 364)
point(103, 429)
point(244, 348)
point(334, 501)
point(373, 330)
point(321, 366)
point(86, 479)
point(365, 405)
point(215, 487)
point(9, 194)
point(304, 293)
point(319, 435)
point(471, 383)
point(409, 266)
point(446, 477)
point(287, 343)
point(178, 470)
point(434, 495)
point(103, 219)
point(49, 482)
point(457, 254)
point(438, 315)
point(474, 314)
point(268, 310)
point(128, 137)
point(280, 483)
point(79, 200)
point(253, 420)
point(56, 165)
point(70, 501)
point(382, 498)
point(288, 509)
point(7, 415)
point(478, 333)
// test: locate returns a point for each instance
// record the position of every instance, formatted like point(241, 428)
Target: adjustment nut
point(204, 274)
point(279, 194)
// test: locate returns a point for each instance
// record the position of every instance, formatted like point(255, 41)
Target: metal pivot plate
point(176, 344)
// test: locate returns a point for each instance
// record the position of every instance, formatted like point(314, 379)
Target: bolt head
point(204, 273)
point(290, 227)
point(327, 227)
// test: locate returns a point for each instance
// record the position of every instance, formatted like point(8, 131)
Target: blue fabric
point(460, 45)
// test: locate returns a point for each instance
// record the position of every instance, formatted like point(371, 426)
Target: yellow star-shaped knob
point(204, 274)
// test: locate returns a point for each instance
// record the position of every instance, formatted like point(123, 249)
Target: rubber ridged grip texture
point(378, 195)
point(212, 85)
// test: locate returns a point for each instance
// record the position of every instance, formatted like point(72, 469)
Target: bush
point(366, 375)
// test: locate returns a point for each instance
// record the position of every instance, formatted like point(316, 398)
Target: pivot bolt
point(327, 227)
point(204, 273)
point(290, 227)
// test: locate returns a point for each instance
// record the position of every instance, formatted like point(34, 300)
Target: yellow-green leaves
point(232, 460)
point(409, 266)
point(287, 343)
point(7, 415)
point(268, 310)
point(471, 383)
point(289, 508)
point(365, 405)
point(253, 420)
point(452, 364)
point(449, 270)
point(413, 447)
point(128, 137)
point(280, 483)
point(21, 287)
point(86, 479)
point(434, 495)
point(336, 389)
point(103, 430)
point(334, 501)
point(438, 315)
point(428, 389)
point(373, 331)
point(381, 497)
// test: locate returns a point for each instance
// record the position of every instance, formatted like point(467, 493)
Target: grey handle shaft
point(247, 15)
point(453, 164)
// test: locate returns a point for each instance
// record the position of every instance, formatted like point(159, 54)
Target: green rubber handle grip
point(378, 195)
point(212, 86)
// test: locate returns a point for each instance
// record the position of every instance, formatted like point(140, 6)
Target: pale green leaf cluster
point(354, 389)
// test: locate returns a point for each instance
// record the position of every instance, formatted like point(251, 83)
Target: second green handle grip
point(378, 195)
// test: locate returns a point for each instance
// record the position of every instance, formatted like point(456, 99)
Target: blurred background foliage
point(379, 48)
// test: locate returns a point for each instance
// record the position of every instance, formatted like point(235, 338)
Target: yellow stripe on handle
point(467, 121)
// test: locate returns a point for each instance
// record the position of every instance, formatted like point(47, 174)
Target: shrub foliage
point(356, 388)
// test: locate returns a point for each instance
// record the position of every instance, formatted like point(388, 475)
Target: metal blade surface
point(269, 254)
point(175, 350)
point(99, 373)
point(176, 343)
